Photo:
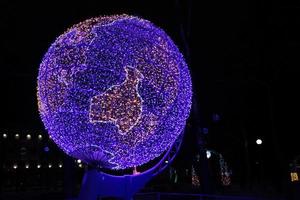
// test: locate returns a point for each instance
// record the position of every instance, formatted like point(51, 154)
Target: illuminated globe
point(114, 91)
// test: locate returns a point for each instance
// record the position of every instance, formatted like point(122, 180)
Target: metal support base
point(97, 184)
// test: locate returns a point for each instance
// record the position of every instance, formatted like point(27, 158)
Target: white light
point(28, 136)
point(258, 141)
point(49, 165)
point(17, 136)
point(78, 161)
point(27, 166)
point(4, 135)
point(38, 166)
point(167, 161)
point(15, 166)
point(208, 154)
point(80, 165)
point(40, 137)
point(60, 165)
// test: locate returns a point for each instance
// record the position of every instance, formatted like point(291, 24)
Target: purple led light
point(114, 91)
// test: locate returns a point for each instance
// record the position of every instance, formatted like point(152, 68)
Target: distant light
point(198, 157)
point(80, 165)
point(27, 166)
point(50, 165)
point(46, 149)
point(205, 131)
point(4, 135)
point(60, 165)
point(258, 141)
point(167, 161)
point(38, 166)
point(208, 154)
point(15, 166)
point(216, 117)
point(78, 161)
point(294, 177)
point(17, 136)
point(28, 136)
point(40, 137)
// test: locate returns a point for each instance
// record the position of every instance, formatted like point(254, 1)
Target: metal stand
point(97, 184)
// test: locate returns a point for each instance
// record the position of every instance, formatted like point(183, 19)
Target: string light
point(15, 166)
point(40, 137)
point(78, 161)
point(27, 166)
point(60, 165)
point(17, 136)
point(118, 82)
point(4, 135)
point(38, 166)
point(50, 166)
point(28, 136)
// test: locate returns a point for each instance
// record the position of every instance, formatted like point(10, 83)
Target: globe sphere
point(114, 91)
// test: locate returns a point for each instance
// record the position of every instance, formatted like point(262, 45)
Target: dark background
point(244, 62)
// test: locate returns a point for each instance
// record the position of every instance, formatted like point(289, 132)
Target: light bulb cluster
point(120, 104)
point(114, 91)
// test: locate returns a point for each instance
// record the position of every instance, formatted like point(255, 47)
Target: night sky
point(242, 55)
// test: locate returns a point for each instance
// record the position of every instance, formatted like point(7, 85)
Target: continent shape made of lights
point(114, 91)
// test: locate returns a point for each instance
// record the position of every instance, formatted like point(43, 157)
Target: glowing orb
point(114, 91)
